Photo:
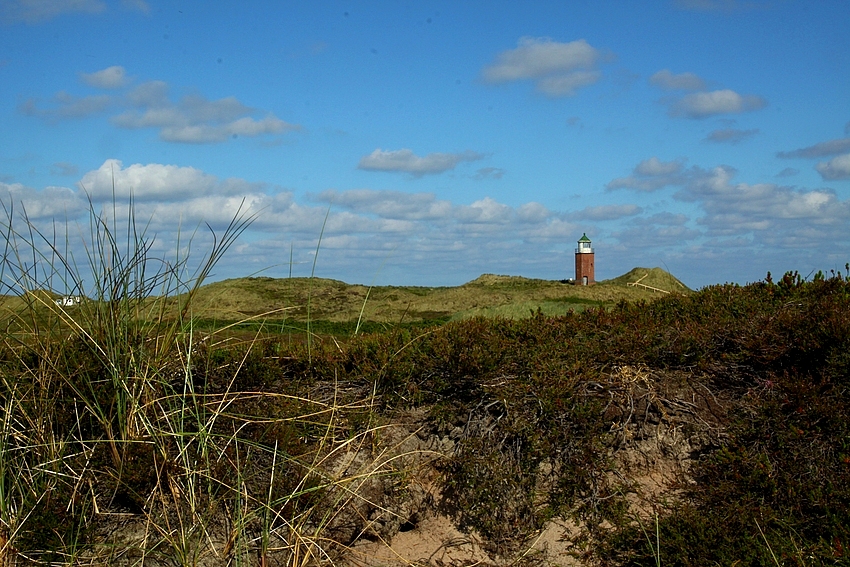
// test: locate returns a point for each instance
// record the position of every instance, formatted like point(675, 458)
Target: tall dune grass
point(115, 449)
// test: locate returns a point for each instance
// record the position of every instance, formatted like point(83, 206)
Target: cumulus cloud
point(35, 11)
point(705, 104)
point(567, 85)
point(683, 81)
point(149, 94)
point(485, 211)
point(399, 206)
point(733, 208)
point(539, 57)
point(836, 168)
point(164, 183)
point(767, 218)
point(426, 239)
point(607, 212)
point(654, 166)
point(490, 173)
point(533, 213)
point(420, 230)
point(363, 223)
point(406, 161)
point(389, 204)
point(47, 204)
point(650, 175)
point(557, 68)
point(664, 230)
point(66, 106)
point(113, 77)
point(360, 220)
point(169, 199)
point(730, 135)
point(662, 219)
point(195, 119)
point(421, 239)
point(822, 149)
point(216, 133)
point(191, 120)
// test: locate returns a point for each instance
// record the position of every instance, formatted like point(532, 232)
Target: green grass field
point(332, 301)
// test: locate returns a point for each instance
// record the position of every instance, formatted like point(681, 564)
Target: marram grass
point(113, 450)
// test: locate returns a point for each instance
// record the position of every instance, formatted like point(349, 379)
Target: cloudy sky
point(430, 142)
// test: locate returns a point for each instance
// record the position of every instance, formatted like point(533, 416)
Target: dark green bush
point(778, 490)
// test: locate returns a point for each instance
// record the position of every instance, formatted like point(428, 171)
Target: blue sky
point(436, 141)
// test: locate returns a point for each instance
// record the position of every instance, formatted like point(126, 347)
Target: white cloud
point(730, 135)
point(726, 101)
point(836, 168)
point(662, 219)
point(533, 213)
point(650, 175)
point(406, 161)
point(566, 85)
point(110, 78)
point(486, 211)
point(489, 173)
point(557, 68)
point(733, 208)
point(389, 204)
point(683, 81)
point(67, 106)
point(50, 203)
point(822, 149)
point(214, 133)
point(776, 223)
point(607, 212)
point(422, 239)
point(538, 57)
point(194, 119)
point(34, 11)
point(157, 182)
point(150, 93)
point(425, 208)
point(433, 238)
point(654, 236)
point(654, 166)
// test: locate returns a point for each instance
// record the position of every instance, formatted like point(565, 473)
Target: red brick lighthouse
point(584, 262)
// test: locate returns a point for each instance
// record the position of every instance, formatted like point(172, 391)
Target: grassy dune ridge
point(488, 295)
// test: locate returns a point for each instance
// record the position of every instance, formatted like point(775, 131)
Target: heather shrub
point(778, 489)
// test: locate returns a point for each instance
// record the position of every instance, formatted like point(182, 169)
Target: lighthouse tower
point(584, 262)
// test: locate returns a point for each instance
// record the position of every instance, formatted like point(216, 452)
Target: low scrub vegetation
point(128, 437)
